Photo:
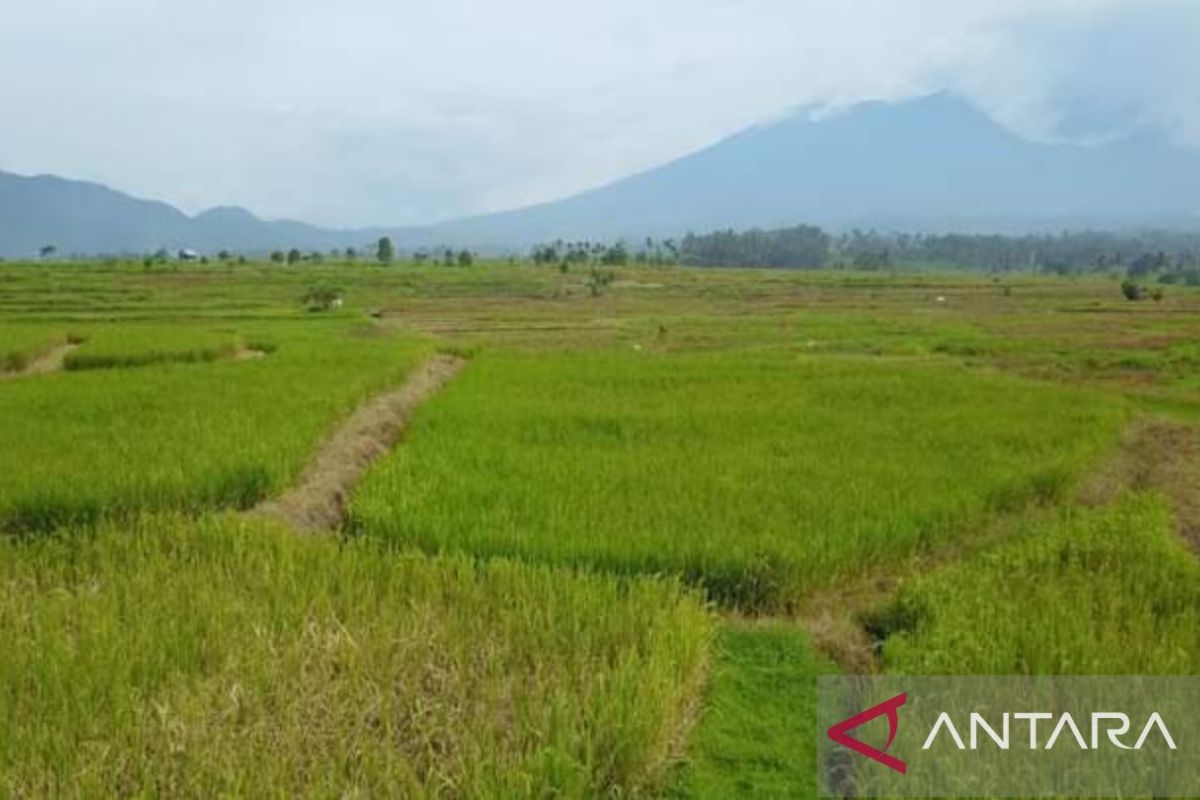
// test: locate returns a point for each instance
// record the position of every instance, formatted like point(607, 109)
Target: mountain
point(237, 229)
point(76, 216)
point(81, 217)
point(935, 163)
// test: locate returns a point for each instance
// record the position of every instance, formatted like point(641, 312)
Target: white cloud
point(1092, 69)
point(368, 111)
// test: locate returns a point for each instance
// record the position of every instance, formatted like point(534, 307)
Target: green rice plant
point(1108, 592)
point(139, 345)
point(756, 474)
point(758, 433)
point(227, 657)
point(79, 445)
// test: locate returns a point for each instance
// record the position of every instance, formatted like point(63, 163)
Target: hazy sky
point(354, 112)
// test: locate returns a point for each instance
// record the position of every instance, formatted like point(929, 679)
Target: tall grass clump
point(755, 474)
point(14, 360)
point(224, 657)
point(1109, 592)
point(132, 345)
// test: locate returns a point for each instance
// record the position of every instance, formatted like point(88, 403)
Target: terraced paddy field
point(605, 555)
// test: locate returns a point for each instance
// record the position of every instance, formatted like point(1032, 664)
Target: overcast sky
point(356, 112)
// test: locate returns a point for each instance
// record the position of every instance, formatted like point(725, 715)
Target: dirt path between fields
point(51, 360)
point(1157, 455)
point(318, 501)
point(838, 617)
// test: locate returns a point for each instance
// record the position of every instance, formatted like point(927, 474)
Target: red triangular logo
point(838, 733)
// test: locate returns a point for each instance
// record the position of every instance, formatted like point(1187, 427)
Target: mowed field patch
point(756, 474)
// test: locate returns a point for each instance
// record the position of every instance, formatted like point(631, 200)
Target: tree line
point(1166, 256)
point(384, 252)
point(1171, 256)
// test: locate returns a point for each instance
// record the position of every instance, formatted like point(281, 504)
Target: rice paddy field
point(608, 558)
point(187, 431)
point(758, 475)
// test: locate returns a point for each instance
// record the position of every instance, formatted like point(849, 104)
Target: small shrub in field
point(385, 251)
point(599, 279)
point(264, 346)
point(322, 297)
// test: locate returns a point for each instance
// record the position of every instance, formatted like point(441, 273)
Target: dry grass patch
point(228, 657)
point(318, 502)
point(1157, 455)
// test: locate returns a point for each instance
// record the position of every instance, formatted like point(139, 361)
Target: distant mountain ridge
point(935, 163)
point(87, 218)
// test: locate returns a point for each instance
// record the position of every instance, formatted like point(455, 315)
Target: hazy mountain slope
point(935, 163)
point(81, 217)
point(76, 216)
point(238, 229)
point(931, 163)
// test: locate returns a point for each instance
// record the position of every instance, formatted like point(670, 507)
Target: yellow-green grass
point(1108, 592)
point(756, 474)
point(22, 343)
point(77, 445)
point(226, 657)
point(547, 454)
